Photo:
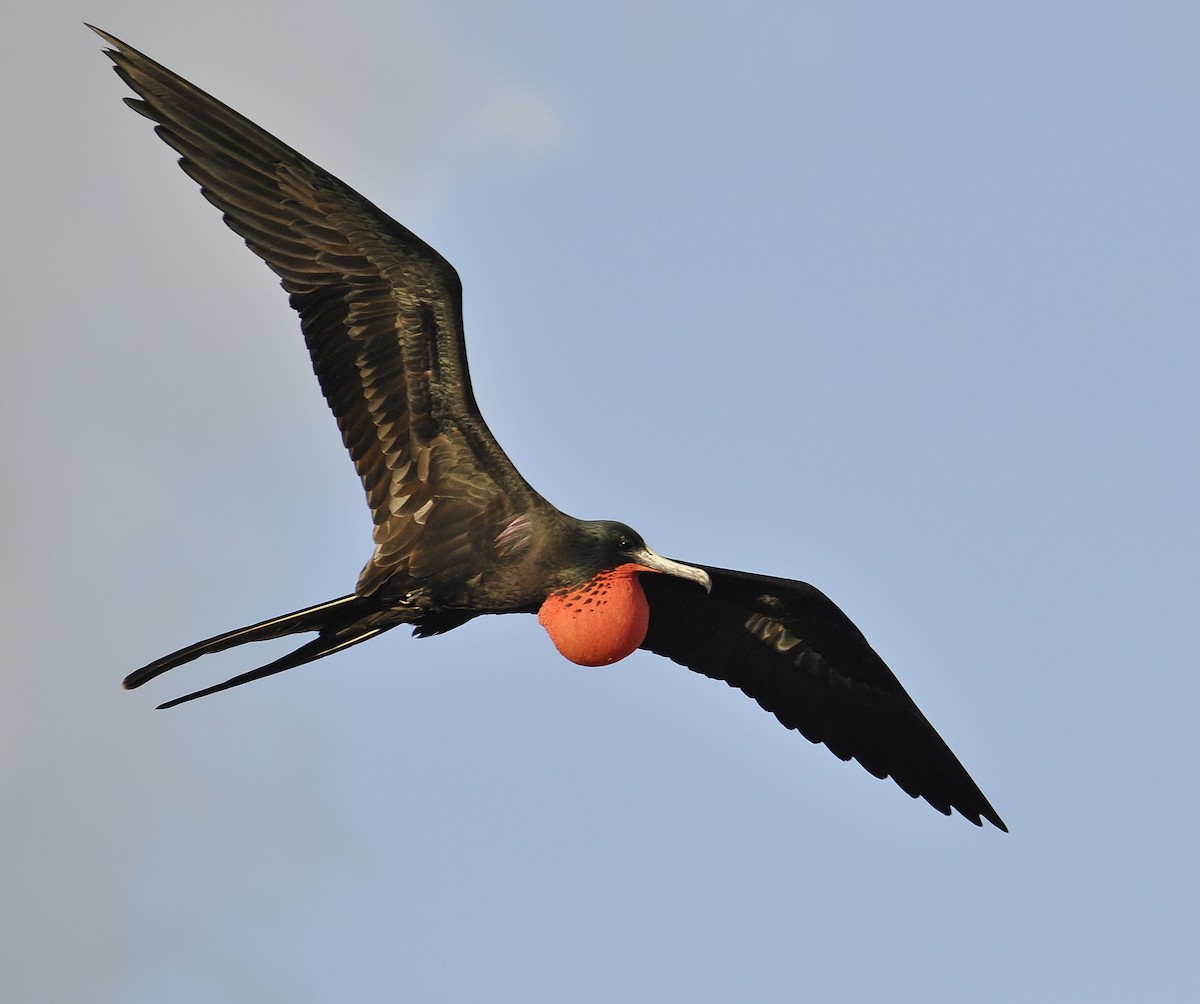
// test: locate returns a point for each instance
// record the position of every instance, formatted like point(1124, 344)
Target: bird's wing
point(382, 315)
point(787, 645)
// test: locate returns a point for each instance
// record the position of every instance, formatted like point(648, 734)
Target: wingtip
point(988, 813)
point(103, 34)
point(973, 810)
point(991, 815)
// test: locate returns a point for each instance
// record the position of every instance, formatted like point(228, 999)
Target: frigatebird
point(458, 532)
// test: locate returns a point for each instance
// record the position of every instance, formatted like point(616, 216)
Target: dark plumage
point(458, 531)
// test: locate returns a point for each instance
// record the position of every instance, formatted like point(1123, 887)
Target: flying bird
point(457, 531)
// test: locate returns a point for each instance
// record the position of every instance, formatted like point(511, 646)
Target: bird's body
point(457, 531)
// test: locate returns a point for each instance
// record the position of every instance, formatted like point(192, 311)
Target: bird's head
point(611, 545)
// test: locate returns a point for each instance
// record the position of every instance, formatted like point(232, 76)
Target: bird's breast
point(601, 621)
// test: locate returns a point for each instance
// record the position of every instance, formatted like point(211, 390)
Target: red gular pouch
point(601, 621)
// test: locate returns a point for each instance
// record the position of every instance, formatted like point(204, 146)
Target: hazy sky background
point(899, 299)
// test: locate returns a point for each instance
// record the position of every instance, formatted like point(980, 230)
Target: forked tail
point(341, 623)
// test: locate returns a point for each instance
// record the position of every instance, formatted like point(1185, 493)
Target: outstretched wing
point(787, 645)
point(382, 315)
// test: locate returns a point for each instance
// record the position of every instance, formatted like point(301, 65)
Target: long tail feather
point(318, 618)
point(315, 649)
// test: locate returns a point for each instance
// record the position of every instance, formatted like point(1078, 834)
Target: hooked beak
point(657, 563)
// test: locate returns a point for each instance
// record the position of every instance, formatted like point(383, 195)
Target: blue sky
point(896, 299)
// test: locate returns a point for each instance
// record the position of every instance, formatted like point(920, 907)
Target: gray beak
point(655, 561)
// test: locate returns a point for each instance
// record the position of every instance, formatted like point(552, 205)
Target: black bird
point(458, 532)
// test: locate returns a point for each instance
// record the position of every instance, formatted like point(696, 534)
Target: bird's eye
point(625, 542)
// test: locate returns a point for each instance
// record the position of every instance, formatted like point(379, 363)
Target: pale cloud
point(520, 123)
